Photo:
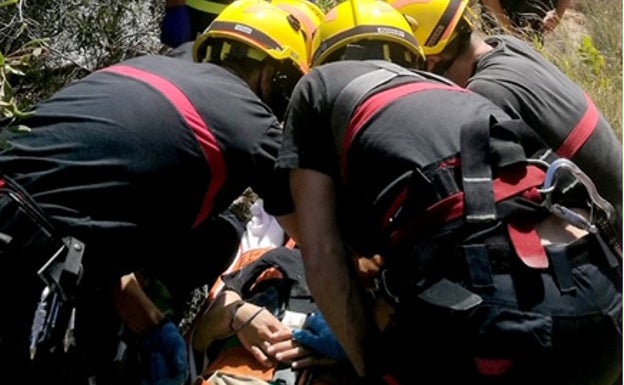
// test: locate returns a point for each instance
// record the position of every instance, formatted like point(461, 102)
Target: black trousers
point(526, 330)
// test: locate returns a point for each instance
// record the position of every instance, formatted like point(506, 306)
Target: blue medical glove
point(318, 336)
point(176, 26)
point(166, 357)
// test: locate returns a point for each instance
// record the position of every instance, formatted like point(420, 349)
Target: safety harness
point(490, 190)
point(27, 233)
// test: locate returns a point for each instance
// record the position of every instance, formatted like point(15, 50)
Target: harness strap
point(374, 104)
point(476, 171)
point(484, 261)
point(355, 91)
point(479, 146)
point(527, 243)
point(452, 207)
point(205, 137)
point(479, 268)
point(562, 268)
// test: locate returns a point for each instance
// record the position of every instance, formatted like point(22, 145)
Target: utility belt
point(28, 241)
point(476, 266)
point(435, 229)
point(503, 311)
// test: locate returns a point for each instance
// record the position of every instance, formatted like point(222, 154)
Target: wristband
point(236, 305)
point(248, 321)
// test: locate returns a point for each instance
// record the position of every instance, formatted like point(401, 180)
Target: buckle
point(565, 213)
point(53, 322)
point(381, 288)
point(63, 271)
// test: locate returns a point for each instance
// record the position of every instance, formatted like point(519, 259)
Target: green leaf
point(8, 2)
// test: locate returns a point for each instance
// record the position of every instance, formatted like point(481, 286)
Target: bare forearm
point(329, 271)
point(342, 302)
point(134, 307)
point(215, 322)
point(288, 223)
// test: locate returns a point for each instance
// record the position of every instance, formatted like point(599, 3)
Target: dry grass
point(587, 46)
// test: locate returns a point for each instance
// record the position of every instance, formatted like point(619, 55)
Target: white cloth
point(262, 230)
point(220, 378)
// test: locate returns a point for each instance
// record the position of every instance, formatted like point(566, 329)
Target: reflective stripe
point(441, 29)
point(376, 103)
point(581, 133)
point(207, 6)
point(365, 30)
point(246, 31)
point(205, 137)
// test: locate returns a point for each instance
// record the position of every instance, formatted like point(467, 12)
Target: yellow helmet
point(309, 15)
point(259, 25)
point(362, 22)
point(435, 21)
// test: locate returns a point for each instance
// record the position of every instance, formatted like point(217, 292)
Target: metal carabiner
point(565, 213)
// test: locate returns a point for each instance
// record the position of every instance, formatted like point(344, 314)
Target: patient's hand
point(291, 352)
point(257, 330)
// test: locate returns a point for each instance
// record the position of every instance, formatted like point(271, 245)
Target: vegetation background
point(45, 44)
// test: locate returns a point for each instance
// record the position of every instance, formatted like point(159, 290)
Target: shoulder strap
point(436, 77)
point(355, 91)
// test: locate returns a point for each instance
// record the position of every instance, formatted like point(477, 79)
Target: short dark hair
point(375, 49)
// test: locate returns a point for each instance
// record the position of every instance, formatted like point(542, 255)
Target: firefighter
point(488, 286)
point(123, 170)
point(526, 85)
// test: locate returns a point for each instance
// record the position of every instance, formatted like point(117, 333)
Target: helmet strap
point(356, 52)
point(376, 50)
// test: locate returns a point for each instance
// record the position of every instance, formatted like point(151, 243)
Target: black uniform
point(469, 310)
point(527, 86)
point(134, 161)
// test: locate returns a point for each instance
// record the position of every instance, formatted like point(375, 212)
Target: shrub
point(47, 43)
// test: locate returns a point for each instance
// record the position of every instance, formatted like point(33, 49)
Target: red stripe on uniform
point(377, 102)
point(206, 139)
point(581, 133)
